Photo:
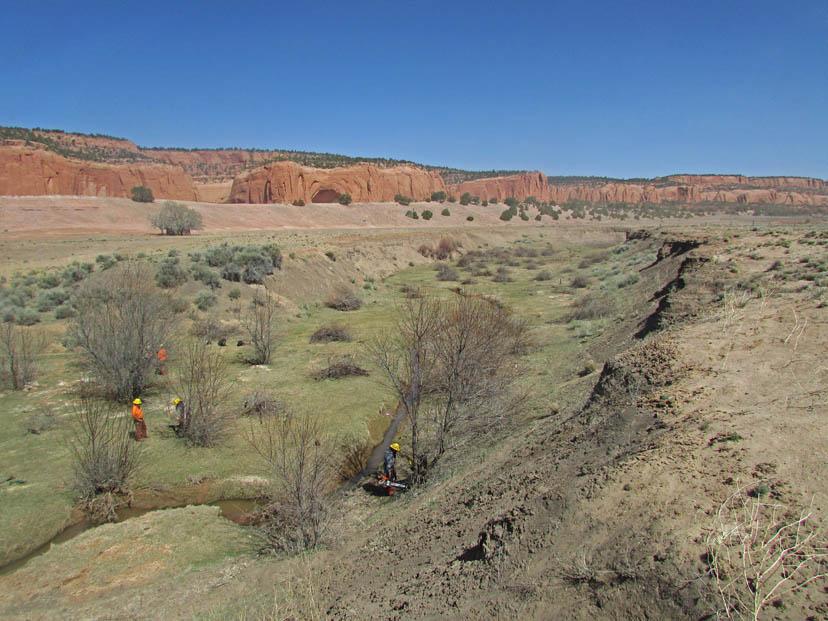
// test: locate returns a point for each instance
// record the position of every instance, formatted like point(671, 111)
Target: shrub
point(64, 311)
point(343, 366)
point(485, 203)
point(446, 248)
point(330, 255)
point(205, 275)
point(47, 300)
point(628, 280)
point(234, 293)
point(201, 382)
point(26, 317)
point(142, 194)
point(354, 456)
point(344, 199)
point(402, 199)
point(170, 274)
point(343, 299)
point(231, 272)
point(330, 333)
point(465, 198)
point(493, 201)
point(298, 203)
point(445, 212)
point(20, 348)
point(49, 281)
point(502, 275)
point(115, 311)
point(262, 404)
point(205, 300)
point(507, 214)
point(511, 201)
point(579, 282)
point(259, 322)
point(76, 272)
point(543, 275)
point(592, 306)
point(445, 273)
point(427, 215)
point(41, 422)
point(438, 196)
point(412, 214)
point(105, 261)
point(104, 456)
point(470, 218)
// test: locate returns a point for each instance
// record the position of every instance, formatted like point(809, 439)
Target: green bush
point(234, 293)
point(231, 272)
point(412, 214)
point(205, 300)
point(105, 261)
point(176, 219)
point(26, 317)
point(344, 199)
point(47, 300)
point(64, 311)
point(298, 203)
point(204, 274)
point(470, 218)
point(465, 198)
point(427, 215)
point(49, 281)
point(508, 214)
point(445, 212)
point(402, 199)
point(511, 201)
point(439, 196)
point(142, 194)
point(170, 274)
point(75, 272)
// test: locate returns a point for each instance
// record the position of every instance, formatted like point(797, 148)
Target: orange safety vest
point(162, 355)
point(137, 412)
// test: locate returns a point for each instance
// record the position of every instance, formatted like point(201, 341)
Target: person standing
point(138, 419)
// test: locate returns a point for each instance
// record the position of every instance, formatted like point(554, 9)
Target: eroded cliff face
point(285, 182)
point(27, 171)
point(714, 189)
point(212, 166)
point(519, 186)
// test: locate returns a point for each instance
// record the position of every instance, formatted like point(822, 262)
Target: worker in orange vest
point(162, 360)
point(138, 418)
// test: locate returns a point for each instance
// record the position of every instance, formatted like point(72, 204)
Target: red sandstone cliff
point(34, 171)
point(707, 189)
point(285, 182)
point(518, 186)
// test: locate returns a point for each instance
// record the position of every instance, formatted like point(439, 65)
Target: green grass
point(36, 510)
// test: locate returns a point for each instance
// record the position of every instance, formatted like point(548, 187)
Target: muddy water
point(235, 510)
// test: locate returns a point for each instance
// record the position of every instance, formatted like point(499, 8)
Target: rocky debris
point(29, 171)
point(286, 182)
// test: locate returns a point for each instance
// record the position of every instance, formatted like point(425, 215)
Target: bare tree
point(259, 322)
point(20, 347)
point(296, 451)
point(122, 321)
point(451, 365)
point(104, 457)
point(405, 356)
point(759, 551)
point(201, 383)
point(471, 392)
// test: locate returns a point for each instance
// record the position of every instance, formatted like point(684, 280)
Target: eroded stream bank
point(236, 510)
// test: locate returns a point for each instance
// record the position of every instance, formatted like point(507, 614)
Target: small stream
point(234, 510)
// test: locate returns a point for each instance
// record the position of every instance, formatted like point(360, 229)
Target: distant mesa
point(53, 162)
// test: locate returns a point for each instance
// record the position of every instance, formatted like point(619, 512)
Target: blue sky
point(616, 88)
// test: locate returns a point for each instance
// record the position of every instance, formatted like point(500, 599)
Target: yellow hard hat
point(176, 401)
point(136, 401)
point(395, 446)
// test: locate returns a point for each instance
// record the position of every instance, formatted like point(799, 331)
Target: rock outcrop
point(519, 186)
point(693, 190)
point(28, 171)
point(285, 182)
